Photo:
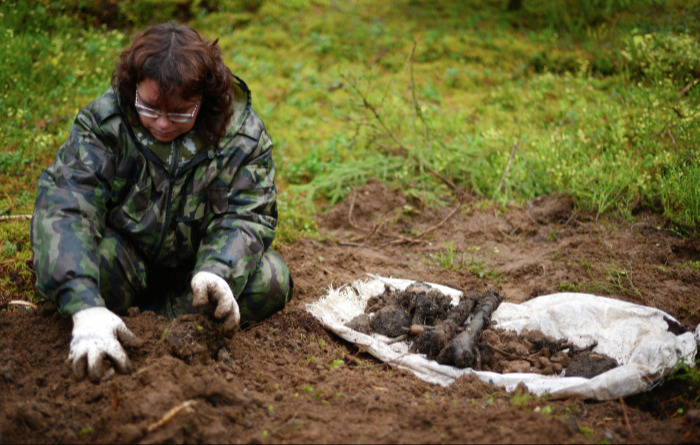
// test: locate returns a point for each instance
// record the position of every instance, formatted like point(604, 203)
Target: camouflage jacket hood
point(215, 206)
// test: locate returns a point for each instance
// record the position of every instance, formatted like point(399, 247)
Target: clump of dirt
point(394, 312)
point(588, 364)
point(195, 339)
point(397, 314)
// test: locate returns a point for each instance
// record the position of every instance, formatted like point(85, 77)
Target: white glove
point(96, 333)
point(207, 287)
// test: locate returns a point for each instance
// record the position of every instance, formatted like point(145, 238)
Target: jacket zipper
point(197, 159)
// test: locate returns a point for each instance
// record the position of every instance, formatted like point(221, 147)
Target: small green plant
point(451, 259)
point(85, 431)
point(13, 163)
point(307, 389)
point(9, 250)
point(586, 431)
point(691, 375)
point(335, 364)
point(695, 265)
point(447, 259)
point(587, 265)
point(521, 399)
point(680, 193)
point(162, 336)
point(476, 265)
point(621, 281)
point(567, 287)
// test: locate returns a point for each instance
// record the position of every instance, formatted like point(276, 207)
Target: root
point(21, 303)
point(167, 417)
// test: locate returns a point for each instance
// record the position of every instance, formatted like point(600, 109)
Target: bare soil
point(287, 379)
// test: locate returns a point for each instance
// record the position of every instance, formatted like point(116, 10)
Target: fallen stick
point(167, 417)
point(13, 217)
point(462, 351)
point(22, 303)
point(416, 239)
point(627, 420)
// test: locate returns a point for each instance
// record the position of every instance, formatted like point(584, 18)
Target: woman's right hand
point(97, 333)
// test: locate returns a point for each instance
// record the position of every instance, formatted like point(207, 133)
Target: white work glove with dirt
point(209, 288)
point(97, 333)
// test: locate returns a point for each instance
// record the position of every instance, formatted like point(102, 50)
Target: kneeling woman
point(163, 197)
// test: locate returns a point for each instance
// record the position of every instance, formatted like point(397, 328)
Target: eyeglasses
point(172, 117)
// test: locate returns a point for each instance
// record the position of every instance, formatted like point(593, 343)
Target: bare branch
point(15, 217)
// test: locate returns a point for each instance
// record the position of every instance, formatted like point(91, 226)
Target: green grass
point(597, 99)
point(473, 260)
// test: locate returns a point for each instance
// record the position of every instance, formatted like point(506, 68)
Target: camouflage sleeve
point(69, 215)
point(236, 240)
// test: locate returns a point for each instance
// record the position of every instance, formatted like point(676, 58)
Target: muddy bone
point(462, 350)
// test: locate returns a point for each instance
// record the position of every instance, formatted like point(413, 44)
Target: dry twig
point(14, 217)
point(444, 179)
point(348, 243)
point(671, 135)
point(416, 239)
point(167, 417)
point(690, 85)
point(366, 103)
point(22, 303)
point(627, 420)
point(512, 356)
point(351, 218)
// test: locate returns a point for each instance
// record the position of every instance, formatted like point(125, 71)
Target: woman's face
point(160, 122)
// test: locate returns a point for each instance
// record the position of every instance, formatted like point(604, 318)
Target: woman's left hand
point(206, 288)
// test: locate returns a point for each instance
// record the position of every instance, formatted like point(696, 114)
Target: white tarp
point(636, 336)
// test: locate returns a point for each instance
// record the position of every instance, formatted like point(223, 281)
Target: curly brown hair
point(184, 65)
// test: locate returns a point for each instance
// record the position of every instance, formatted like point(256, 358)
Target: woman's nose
point(162, 121)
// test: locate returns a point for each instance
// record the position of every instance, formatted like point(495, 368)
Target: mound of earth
point(287, 379)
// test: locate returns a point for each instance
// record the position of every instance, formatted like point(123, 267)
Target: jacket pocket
point(136, 211)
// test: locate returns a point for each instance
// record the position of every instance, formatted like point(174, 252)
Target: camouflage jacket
point(215, 206)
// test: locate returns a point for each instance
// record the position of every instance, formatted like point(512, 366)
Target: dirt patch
point(287, 379)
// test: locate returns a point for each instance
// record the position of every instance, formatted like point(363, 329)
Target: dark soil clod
point(391, 321)
point(589, 364)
